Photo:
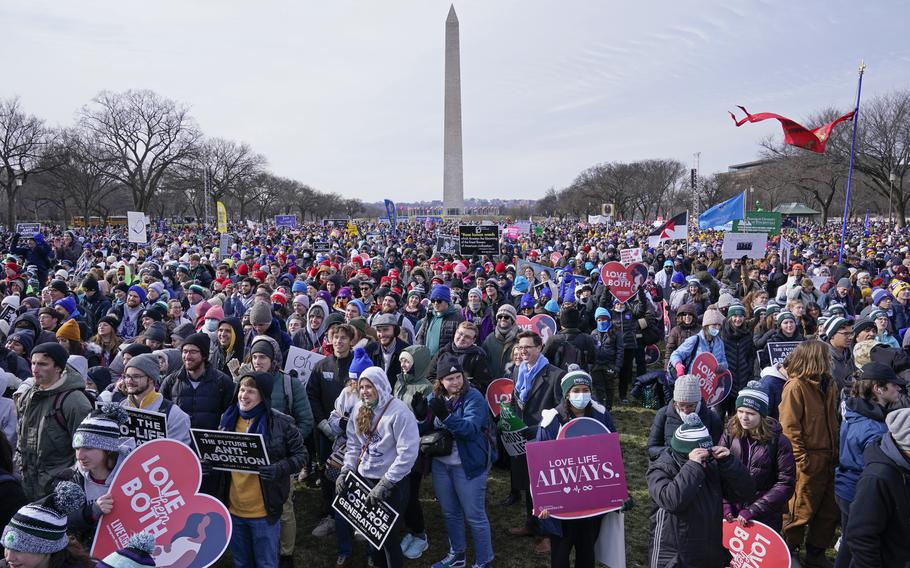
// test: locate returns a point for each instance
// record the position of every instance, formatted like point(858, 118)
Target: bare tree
point(140, 135)
point(23, 142)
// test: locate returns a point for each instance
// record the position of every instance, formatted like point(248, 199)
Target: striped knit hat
point(784, 316)
point(101, 429)
point(575, 376)
point(753, 397)
point(692, 434)
point(40, 527)
point(138, 552)
point(833, 325)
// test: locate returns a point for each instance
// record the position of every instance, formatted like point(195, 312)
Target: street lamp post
point(891, 178)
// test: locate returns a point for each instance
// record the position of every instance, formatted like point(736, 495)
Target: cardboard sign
point(28, 229)
point(302, 361)
point(499, 392)
point(755, 545)
point(579, 477)
point(582, 426)
point(155, 490)
point(542, 324)
point(289, 221)
point(231, 451)
point(512, 430)
point(374, 522)
point(623, 281)
point(143, 426)
point(738, 245)
point(628, 256)
point(778, 350)
point(478, 240)
point(446, 244)
point(224, 246)
point(136, 224)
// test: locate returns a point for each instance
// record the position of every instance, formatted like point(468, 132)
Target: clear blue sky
point(348, 96)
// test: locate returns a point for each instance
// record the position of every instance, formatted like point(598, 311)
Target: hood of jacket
point(32, 321)
point(174, 360)
point(858, 409)
point(773, 371)
point(380, 382)
point(421, 356)
point(277, 360)
point(891, 453)
point(325, 314)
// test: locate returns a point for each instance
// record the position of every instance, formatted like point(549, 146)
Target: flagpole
point(688, 241)
point(843, 230)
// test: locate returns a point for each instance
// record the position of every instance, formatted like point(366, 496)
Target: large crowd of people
point(815, 445)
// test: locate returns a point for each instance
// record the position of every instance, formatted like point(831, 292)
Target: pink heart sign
point(156, 491)
point(544, 325)
point(623, 281)
point(709, 378)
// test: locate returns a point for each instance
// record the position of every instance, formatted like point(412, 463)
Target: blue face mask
point(580, 399)
point(604, 325)
point(713, 331)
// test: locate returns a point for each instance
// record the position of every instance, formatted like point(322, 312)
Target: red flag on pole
point(795, 134)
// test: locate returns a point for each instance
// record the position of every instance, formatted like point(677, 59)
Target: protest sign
point(499, 392)
point(321, 246)
point(289, 221)
point(302, 361)
point(778, 350)
point(623, 281)
point(512, 232)
point(524, 227)
point(231, 451)
point(738, 245)
point(542, 324)
point(478, 239)
point(582, 426)
point(555, 257)
point(579, 477)
point(512, 430)
point(767, 222)
point(143, 426)
point(156, 490)
point(8, 314)
point(755, 545)
point(224, 246)
point(28, 229)
point(446, 244)
point(373, 520)
point(136, 224)
point(709, 378)
point(630, 255)
point(722, 390)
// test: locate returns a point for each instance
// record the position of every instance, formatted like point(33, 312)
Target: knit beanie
point(134, 349)
point(260, 313)
point(200, 340)
point(507, 309)
point(753, 397)
point(69, 330)
point(90, 284)
point(100, 430)
point(552, 307)
point(111, 320)
point(475, 292)
point(40, 527)
point(833, 325)
point(878, 295)
point(784, 316)
point(101, 376)
point(736, 310)
point(692, 434)
point(60, 286)
point(215, 313)
point(138, 552)
point(197, 289)
point(156, 332)
point(898, 422)
point(148, 364)
point(261, 344)
point(55, 351)
point(712, 317)
point(139, 290)
point(686, 389)
point(441, 292)
point(360, 362)
point(264, 383)
point(570, 318)
point(575, 376)
point(447, 365)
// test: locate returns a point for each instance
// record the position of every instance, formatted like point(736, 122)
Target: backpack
point(562, 353)
point(60, 398)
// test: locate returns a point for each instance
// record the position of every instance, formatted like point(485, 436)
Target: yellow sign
point(352, 229)
point(222, 218)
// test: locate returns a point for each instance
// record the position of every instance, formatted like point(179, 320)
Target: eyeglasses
point(134, 377)
point(526, 347)
point(503, 317)
point(192, 352)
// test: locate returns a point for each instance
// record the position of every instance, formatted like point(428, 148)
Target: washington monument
point(453, 166)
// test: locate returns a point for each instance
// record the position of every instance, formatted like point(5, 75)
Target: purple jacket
point(773, 483)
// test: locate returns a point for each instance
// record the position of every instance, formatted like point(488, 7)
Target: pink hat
point(215, 313)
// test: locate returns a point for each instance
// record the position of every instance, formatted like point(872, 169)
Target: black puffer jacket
point(204, 404)
point(739, 348)
point(667, 420)
point(686, 528)
point(773, 336)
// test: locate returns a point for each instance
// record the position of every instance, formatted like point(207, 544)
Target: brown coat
point(808, 417)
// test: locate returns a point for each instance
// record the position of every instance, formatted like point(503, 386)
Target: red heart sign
point(623, 281)
point(544, 325)
point(499, 392)
point(155, 490)
point(705, 369)
point(755, 545)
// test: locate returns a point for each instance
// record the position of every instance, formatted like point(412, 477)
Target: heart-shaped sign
point(704, 367)
point(156, 491)
point(755, 545)
point(723, 390)
point(652, 354)
point(544, 325)
point(623, 281)
point(499, 392)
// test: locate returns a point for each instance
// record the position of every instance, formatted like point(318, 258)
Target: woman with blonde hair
point(808, 416)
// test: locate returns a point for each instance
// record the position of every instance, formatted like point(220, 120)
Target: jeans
point(254, 542)
point(344, 536)
point(462, 498)
point(844, 555)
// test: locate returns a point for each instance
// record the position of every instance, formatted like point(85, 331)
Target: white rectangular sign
point(136, 225)
point(302, 361)
point(628, 256)
point(738, 245)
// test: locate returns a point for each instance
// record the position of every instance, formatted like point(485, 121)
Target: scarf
point(505, 336)
point(526, 377)
point(258, 416)
point(147, 400)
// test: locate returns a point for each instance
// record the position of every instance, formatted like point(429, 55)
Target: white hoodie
point(392, 449)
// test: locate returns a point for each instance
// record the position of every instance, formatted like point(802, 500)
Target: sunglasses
point(504, 317)
point(436, 301)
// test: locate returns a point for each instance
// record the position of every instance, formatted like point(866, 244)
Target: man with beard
point(128, 313)
point(140, 376)
point(384, 353)
point(199, 389)
point(499, 344)
point(473, 359)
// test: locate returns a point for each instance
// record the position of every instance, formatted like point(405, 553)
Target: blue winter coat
point(692, 347)
point(470, 422)
point(773, 382)
point(864, 424)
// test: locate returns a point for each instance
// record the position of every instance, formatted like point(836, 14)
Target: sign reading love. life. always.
point(542, 324)
point(715, 385)
point(623, 281)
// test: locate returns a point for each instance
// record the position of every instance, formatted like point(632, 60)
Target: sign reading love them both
point(542, 324)
point(577, 477)
point(623, 281)
point(755, 545)
point(499, 392)
point(156, 491)
point(715, 385)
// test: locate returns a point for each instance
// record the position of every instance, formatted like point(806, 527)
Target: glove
point(419, 406)
point(628, 504)
point(381, 491)
point(343, 423)
point(234, 367)
point(680, 370)
point(439, 408)
point(326, 429)
point(269, 472)
point(206, 467)
point(342, 482)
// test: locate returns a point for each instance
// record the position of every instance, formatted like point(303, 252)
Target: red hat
point(366, 272)
point(447, 267)
point(533, 253)
point(256, 266)
point(243, 269)
point(259, 275)
point(394, 273)
point(409, 262)
point(384, 280)
point(500, 267)
point(279, 298)
point(436, 279)
point(357, 260)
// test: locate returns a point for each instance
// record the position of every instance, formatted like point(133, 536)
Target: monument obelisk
point(453, 166)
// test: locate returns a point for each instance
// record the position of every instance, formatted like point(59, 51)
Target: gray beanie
point(100, 430)
point(898, 422)
point(40, 528)
point(147, 363)
point(685, 390)
point(260, 313)
point(509, 310)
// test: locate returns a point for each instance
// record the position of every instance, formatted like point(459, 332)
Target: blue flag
point(866, 224)
point(392, 214)
point(733, 209)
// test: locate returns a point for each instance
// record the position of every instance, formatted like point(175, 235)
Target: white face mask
point(211, 325)
point(580, 399)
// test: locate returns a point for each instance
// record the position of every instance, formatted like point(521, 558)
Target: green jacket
point(45, 448)
point(499, 354)
point(407, 385)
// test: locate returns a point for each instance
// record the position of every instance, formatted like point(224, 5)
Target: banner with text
point(479, 239)
point(231, 451)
